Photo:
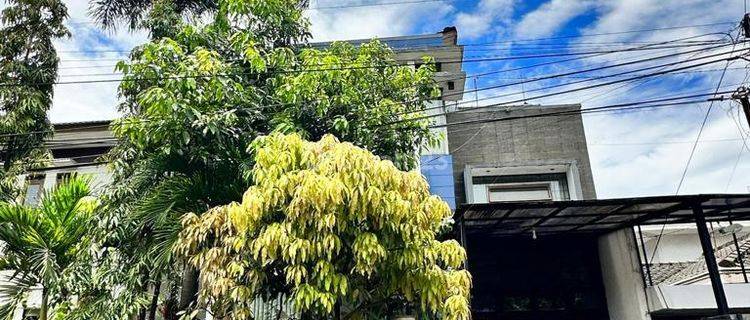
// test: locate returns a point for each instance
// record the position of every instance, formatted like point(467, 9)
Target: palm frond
point(61, 203)
point(17, 222)
point(15, 291)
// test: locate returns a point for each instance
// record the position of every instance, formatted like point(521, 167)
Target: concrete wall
point(519, 142)
point(621, 273)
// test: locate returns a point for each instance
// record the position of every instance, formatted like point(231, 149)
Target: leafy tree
point(28, 67)
point(41, 242)
point(193, 102)
point(334, 227)
point(133, 12)
point(139, 14)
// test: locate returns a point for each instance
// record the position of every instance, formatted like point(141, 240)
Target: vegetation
point(137, 14)
point(109, 13)
point(193, 100)
point(334, 227)
point(192, 104)
point(28, 63)
point(41, 243)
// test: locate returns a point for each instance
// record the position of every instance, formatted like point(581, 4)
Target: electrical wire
point(566, 91)
point(642, 105)
point(692, 152)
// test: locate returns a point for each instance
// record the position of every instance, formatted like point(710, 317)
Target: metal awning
point(603, 216)
point(598, 216)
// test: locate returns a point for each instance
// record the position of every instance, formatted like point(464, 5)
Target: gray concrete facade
point(519, 142)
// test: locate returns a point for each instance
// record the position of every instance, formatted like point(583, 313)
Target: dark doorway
point(517, 278)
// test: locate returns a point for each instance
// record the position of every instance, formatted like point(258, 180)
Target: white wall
point(437, 110)
point(621, 274)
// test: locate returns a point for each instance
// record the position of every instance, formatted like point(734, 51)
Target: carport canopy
point(598, 216)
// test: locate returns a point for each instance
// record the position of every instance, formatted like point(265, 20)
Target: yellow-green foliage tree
point(335, 228)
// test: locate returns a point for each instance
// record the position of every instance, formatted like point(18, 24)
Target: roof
point(445, 38)
point(82, 124)
point(598, 216)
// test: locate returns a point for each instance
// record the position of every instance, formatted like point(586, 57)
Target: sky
point(636, 153)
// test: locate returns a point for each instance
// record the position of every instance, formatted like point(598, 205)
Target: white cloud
point(489, 16)
point(624, 15)
point(89, 55)
point(377, 21)
point(625, 168)
point(549, 17)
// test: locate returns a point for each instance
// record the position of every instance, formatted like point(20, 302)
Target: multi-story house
point(541, 246)
point(77, 147)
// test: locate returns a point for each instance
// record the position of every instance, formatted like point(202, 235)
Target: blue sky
point(633, 154)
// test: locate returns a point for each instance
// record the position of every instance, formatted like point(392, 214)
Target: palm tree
point(132, 12)
point(40, 241)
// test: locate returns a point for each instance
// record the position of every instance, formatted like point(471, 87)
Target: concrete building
point(77, 147)
point(541, 246)
point(546, 158)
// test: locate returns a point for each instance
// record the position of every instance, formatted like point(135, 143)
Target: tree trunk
point(43, 308)
point(154, 301)
point(189, 289)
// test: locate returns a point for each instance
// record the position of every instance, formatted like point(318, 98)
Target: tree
point(28, 69)
point(334, 227)
point(139, 14)
point(41, 242)
point(193, 102)
point(132, 12)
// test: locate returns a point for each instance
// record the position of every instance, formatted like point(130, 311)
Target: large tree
point(139, 14)
point(341, 232)
point(192, 104)
point(28, 69)
point(41, 243)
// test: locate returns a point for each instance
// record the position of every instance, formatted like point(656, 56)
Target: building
point(541, 246)
point(77, 147)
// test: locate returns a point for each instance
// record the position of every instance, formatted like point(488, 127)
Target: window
point(34, 189)
point(451, 85)
point(526, 187)
point(62, 176)
point(520, 193)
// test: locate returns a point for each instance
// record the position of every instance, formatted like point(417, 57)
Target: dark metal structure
point(595, 217)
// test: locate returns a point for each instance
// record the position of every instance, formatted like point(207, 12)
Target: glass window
point(526, 187)
point(34, 189)
point(62, 176)
point(520, 193)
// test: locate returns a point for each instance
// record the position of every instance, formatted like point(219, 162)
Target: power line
point(430, 116)
point(610, 108)
point(570, 90)
point(77, 165)
point(553, 62)
point(459, 49)
point(663, 142)
point(623, 106)
point(562, 74)
point(295, 71)
point(700, 131)
point(612, 33)
point(463, 60)
point(602, 76)
point(692, 152)
point(107, 125)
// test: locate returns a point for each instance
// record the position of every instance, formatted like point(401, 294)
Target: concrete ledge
point(695, 297)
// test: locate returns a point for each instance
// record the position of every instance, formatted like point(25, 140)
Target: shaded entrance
point(517, 277)
point(554, 277)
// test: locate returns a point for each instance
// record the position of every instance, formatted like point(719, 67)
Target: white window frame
point(569, 168)
point(551, 186)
